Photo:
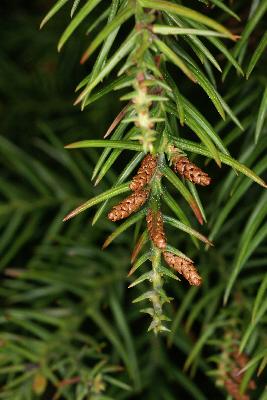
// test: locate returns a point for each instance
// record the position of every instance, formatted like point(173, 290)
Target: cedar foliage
point(69, 329)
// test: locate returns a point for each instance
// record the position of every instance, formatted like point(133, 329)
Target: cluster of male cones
point(232, 371)
point(141, 190)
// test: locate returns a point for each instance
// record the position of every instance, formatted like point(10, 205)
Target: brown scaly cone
point(232, 388)
point(155, 229)
point(183, 267)
point(190, 171)
point(129, 205)
point(230, 369)
point(144, 173)
point(240, 360)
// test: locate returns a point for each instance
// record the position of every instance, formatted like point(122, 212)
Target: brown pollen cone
point(190, 171)
point(129, 205)
point(233, 389)
point(144, 173)
point(183, 267)
point(155, 229)
point(241, 360)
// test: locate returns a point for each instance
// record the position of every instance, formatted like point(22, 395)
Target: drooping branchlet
point(184, 167)
point(144, 173)
point(129, 205)
point(155, 229)
point(183, 267)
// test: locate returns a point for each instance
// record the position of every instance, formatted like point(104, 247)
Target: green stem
point(159, 297)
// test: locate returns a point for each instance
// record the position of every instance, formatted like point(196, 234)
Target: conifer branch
point(154, 101)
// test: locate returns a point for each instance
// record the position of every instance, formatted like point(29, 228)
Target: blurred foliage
point(68, 328)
